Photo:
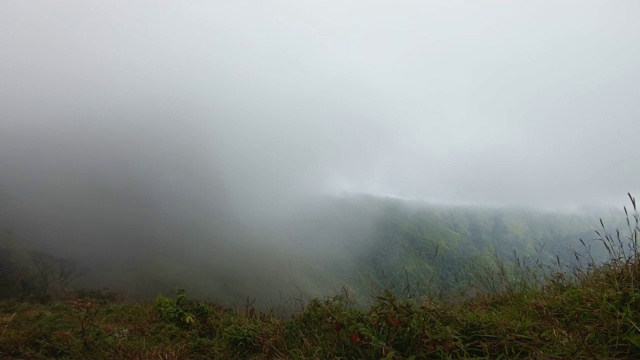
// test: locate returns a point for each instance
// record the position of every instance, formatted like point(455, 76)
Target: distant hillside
point(375, 243)
point(362, 243)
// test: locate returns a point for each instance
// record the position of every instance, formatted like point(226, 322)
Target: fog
point(126, 120)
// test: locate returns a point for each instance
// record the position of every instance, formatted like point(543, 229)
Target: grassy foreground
point(569, 311)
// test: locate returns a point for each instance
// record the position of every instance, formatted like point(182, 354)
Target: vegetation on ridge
point(520, 309)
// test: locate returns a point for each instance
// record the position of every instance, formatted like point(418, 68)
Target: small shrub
point(182, 311)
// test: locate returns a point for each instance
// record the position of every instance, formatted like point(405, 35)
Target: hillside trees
point(28, 274)
point(50, 271)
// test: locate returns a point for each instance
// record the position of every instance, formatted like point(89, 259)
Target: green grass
point(562, 321)
point(518, 310)
point(593, 316)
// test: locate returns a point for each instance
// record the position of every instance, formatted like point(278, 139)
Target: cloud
point(451, 102)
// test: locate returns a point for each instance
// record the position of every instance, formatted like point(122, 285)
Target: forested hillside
point(384, 243)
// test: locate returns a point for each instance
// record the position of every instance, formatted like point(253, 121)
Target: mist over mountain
point(225, 146)
point(363, 243)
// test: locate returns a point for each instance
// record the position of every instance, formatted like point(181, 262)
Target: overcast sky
point(481, 102)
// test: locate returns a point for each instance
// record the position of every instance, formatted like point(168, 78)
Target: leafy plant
point(181, 311)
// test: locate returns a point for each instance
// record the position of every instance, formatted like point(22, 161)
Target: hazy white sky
point(484, 102)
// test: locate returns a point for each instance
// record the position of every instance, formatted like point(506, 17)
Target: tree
point(51, 270)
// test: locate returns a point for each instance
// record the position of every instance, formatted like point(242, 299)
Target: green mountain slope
point(381, 243)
